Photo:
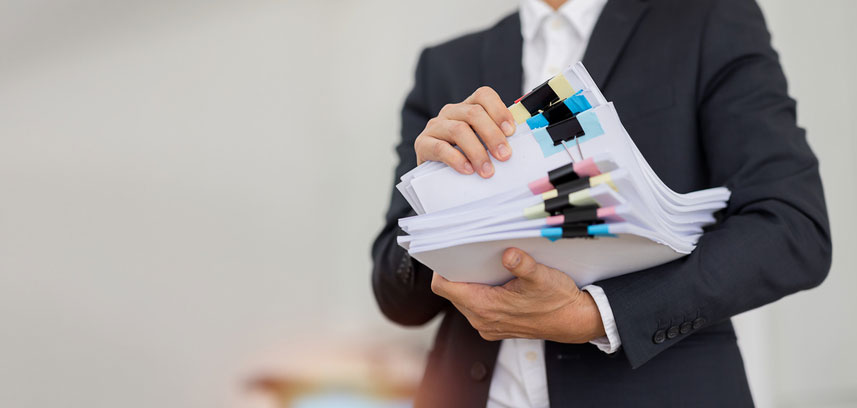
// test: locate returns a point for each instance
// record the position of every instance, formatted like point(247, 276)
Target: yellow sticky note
point(601, 179)
point(519, 112)
point(581, 198)
point(561, 86)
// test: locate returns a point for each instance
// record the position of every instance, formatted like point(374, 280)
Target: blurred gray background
point(189, 190)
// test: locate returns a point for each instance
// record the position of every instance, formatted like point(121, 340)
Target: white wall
point(188, 185)
point(799, 351)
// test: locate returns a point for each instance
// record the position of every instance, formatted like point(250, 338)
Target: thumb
point(521, 264)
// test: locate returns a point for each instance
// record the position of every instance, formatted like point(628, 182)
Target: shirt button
point(556, 24)
point(478, 371)
point(532, 355)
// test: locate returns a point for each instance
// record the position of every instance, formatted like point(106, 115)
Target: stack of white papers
point(576, 194)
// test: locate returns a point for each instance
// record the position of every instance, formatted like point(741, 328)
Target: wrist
point(590, 317)
point(579, 322)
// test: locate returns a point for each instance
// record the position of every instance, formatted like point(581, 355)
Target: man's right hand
point(458, 124)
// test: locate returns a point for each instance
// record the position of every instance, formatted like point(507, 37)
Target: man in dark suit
point(700, 90)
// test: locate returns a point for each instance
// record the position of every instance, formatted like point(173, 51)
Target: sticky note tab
point(553, 233)
point(577, 103)
point(535, 212)
point(519, 112)
point(555, 220)
point(600, 230)
point(561, 86)
point(609, 213)
point(537, 121)
point(545, 142)
point(540, 186)
point(603, 179)
point(587, 168)
point(590, 124)
point(547, 195)
point(581, 198)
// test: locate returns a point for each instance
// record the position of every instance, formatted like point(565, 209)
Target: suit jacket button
point(478, 371)
point(685, 327)
point(698, 322)
point(660, 336)
point(672, 332)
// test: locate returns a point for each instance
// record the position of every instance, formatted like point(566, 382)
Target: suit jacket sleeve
point(774, 238)
point(401, 284)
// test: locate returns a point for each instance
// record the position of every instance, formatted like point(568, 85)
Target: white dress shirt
point(553, 40)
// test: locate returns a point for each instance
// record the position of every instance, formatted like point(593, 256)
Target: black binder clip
point(565, 130)
point(541, 97)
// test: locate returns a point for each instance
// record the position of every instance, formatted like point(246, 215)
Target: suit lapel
point(617, 22)
point(501, 59)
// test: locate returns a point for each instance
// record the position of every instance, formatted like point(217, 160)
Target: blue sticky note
point(545, 142)
point(537, 121)
point(590, 124)
point(591, 128)
point(599, 230)
point(553, 233)
point(577, 103)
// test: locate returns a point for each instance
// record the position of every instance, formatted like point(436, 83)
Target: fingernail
point(516, 259)
point(508, 128)
point(487, 168)
point(468, 167)
point(503, 151)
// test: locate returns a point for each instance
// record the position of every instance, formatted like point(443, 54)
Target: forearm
point(768, 250)
point(401, 284)
point(774, 239)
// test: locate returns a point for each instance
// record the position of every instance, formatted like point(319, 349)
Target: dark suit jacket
point(702, 94)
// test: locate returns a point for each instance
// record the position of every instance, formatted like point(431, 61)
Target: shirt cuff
point(611, 342)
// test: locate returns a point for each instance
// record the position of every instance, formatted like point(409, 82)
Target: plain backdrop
point(187, 185)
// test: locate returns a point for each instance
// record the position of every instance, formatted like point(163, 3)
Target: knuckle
point(458, 131)
point(460, 127)
point(420, 145)
point(446, 108)
point(488, 335)
point(437, 149)
point(435, 286)
point(474, 112)
point(482, 92)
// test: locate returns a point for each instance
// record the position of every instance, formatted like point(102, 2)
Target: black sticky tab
point(575, 231)
point(562, 174)
point(557, 112)
point(565, 130)
point(553, 206)
point(539, 98)
point(569, 187)
point(586, 214)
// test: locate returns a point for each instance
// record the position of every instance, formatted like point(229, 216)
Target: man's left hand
point(539, 303)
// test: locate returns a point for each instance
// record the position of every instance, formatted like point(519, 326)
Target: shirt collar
point(533, 13)
point(583, 14)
